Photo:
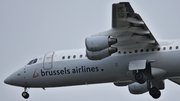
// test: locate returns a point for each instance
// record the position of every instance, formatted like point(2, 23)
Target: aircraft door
point(48, 61)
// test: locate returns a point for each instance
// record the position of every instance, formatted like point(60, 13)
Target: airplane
point(126, 55)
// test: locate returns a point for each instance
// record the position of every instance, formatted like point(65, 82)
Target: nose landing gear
point(25, 94)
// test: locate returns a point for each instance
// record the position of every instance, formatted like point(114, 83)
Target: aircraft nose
point(16, 79)
point(13, 79)
point(8, 80)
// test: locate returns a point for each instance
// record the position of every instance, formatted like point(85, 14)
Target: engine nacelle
point(98, 43)
point(136, 88)
point(98, 55)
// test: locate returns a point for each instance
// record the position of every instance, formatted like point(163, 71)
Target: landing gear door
point(137, 65)
point(48, 61)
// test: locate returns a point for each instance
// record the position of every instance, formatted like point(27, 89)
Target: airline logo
point(35, 75)
point(63, 71)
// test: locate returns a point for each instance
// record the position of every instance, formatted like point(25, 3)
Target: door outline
point(48, 61)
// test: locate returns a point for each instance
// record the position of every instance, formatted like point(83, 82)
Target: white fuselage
point(71, 67)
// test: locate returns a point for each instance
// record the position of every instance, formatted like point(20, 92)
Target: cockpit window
point(35, 60)
point(32, 62)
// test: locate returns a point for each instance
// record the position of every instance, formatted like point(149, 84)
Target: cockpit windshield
point(32, 62)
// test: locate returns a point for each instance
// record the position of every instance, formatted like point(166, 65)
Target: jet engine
point(97, 55)
point(98, 43)
point(136, 88)
point(99, 47)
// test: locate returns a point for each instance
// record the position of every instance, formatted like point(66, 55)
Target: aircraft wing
point(129, 28)
point(175, 80)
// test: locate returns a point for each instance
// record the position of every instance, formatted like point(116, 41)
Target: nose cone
point(8, 80)
point(15, 79)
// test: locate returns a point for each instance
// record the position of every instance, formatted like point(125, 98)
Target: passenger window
point(147, 50)
point(158, 49)
point(152, 49)
point(136, 51)
point(63, 57)
point(74, 56)
point(130, 51)
point(125, 52)
point(177, 47)
point(68, 57)
point(141, 50)
point(170, 48)
point(164, 48)
point(81, 56)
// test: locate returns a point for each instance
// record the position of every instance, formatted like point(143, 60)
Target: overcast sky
point(31, 28)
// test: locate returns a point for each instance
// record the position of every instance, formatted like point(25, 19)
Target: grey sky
point(31, 28)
